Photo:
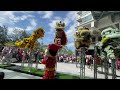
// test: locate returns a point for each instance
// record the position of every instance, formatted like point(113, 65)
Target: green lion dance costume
point(110, 43)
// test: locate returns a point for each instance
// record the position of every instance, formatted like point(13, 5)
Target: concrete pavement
point(71, 69)
point(16, 75)
point(67, 68)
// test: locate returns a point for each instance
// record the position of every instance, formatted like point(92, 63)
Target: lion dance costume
point(82, 37)
point(50, 61)
point(30, 42)
point(60, 36)
point(110, 43)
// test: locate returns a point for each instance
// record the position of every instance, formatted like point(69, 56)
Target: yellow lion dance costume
point(31, 41)
point(82, 37)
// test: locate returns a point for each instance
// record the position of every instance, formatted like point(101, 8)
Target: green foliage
point(3, 35)
point(19, 35)
point(10, 44)
point(67, 76)
point(5, 65)
point(70, 52)
point(65, 50)
point(40, 72)
point(9, 39)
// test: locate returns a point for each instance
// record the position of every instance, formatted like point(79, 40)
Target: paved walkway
point(71, 69)
point(16, 75)
point(61, 67)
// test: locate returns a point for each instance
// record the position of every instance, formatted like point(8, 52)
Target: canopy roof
point(100, 14)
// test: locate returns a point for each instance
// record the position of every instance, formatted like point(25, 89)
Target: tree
point(43, 47)
point(24, 34)
point(37, 45)
point(3, 35)
point(65, 50)
point(19, 35)
point(70, 52)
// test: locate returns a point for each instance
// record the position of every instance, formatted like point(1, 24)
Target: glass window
point(88, 18)
point(85, 13)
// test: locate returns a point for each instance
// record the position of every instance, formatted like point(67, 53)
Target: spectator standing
point(23, 58)
point(36, 55)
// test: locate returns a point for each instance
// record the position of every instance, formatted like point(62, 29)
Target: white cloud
point(28, 28)
point(25, 12)
point(70, 17)
point(57, 18)
point(70, 36)
point(21, 18)
point(33, 22)
point(53, 23)
point(8, 18)
point(67, 21)
point(40, 12)
point(46, 14)
point(2, 21)
point(70, 32)
point(71, 46)
point(32, 26)
point(24, 17)
point(70, 23)
point(11, 29)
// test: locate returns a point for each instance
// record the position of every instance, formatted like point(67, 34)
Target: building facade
point(86, 19)
point(97, 21)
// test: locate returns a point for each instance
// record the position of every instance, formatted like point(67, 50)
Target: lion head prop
point(110, 42)
point(31, 41)
point(82, 37)
point(60, 36)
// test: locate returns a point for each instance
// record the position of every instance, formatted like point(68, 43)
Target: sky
point(31, 20)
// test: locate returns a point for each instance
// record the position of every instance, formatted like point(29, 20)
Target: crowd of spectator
point(23, 55)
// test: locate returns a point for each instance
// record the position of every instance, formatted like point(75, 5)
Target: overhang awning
point(100, 14)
